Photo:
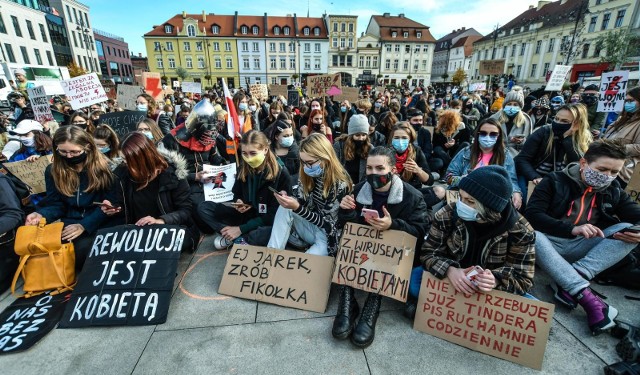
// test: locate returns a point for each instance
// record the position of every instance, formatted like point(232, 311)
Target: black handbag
point(625, 273)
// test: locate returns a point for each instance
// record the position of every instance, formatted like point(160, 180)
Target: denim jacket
point(460, 167)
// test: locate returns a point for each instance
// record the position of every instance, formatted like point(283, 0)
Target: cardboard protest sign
point(127, 278)
point(84, 90)
point(259, 91)
point(318, 85)
point(352, 94)
point(491, 67)
point(293, 98)
point(280, 277)
point(152, 85)
point(452, 196)
point(40, 104)
point(194, 87)
point(556, 81)
point(500, 324)
point(613, 91)
point(123, 122)
point(530, 187)
point(31, 173)
point(127, 96)
point(27, 320)
point(224, 177)
point(375, 261)
point(109, 88)
point(633, 187)
point(480, 86)
point(277, 90)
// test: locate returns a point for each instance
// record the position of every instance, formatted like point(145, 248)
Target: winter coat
point(524, 130)
point(291, 161)
point(338, 147)
point(460, 166)
point(377, 139)
point(11, 214)
point(421, 160)
point(164, 123)
point(629, 132)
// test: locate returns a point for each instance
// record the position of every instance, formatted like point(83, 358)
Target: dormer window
point(394, 34)
point(168, 29)
point(191, 30)
point(244, 30)
point(305, 31)
point(255, 30)
point(276, 30)
point(316, 31)
point(215, 29)
point(405, 34)
point(419, 34)
point(286, 30)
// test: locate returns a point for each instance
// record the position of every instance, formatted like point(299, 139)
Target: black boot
point(365, 331)
point(347, 313)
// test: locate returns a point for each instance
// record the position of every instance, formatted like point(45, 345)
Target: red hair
point(313, 114)
point(144, 162)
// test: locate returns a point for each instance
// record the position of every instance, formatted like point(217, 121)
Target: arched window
point(316, 31)
point(215, 29)
point(191, 30)
point(276, 30)
point(244, 30)
point(305, 31)
point(255, 30)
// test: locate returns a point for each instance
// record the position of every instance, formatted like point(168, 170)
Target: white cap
point(26, 126)
point(20, 71)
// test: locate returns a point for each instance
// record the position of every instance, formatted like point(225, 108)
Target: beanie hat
point(542, 102)
point(515, 95)
point(592, 87)
point(557, 100)
point(490, 186)
point(358, 124)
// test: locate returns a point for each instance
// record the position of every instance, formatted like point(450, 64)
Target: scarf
point(192, 144)
point(400, 160)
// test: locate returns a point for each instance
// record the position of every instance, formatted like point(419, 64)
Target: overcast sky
point(132, 19)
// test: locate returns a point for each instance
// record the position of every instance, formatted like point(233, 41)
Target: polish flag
point(233, 123)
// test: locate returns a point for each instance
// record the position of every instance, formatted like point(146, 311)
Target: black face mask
point(469, 106)
point(75, 160)
point(589, 100)
point(559, 129)
point(378, 181)
point(359, 144)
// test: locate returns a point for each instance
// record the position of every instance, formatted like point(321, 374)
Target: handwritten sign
point(479, 86)
point(556, 81)
point(27, 320)
point(127, 278)
point(452, 196)
point(277, 90)
point(123, 122)
point(351, 94)
point(613, 91)
point(281, 277)
point(127, 96)
point(259, 91)
point(375, 261)
point(84, 90)
point(153, 85)
point(293, 98)
point(40, 104)
point(318, 85)
point(491, 67)
point(31, 174)
point(500, 324)
point(109, 88)
point(223, 178)
point(633, 187)
point(194, 87)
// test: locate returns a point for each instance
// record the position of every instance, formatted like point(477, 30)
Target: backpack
point(22, 191)
point(625, 273)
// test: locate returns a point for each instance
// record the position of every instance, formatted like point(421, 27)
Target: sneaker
point(240, 241)
point(410, 308)
point(221, 243)
point(599, 315)
point(564, 297)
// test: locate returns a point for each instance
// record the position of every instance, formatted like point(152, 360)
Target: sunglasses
point(490, 134)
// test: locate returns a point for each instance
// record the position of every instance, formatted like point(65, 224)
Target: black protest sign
point(27, 320)
point(123, 122)
point(127, 278)
point(293, 98)
point(375, 261)
point(281, 277)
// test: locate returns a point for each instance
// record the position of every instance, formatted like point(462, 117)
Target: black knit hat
point(490, 186)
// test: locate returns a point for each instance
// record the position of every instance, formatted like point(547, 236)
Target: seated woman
point(515, 123)
point(274, 110)
point(82, 120)
point(145, 103)
point(33, 142)
point(249, 220)
point(481, 230)
point(285, 148)
point(488, 148)
point(11, 217)
point(352, 148)
point(450, 136)
point(400, 207)
point(152, 188)
point(78, 176)
point(314, 213)
point(317, 124)
point(107, 142)
point(386, 123)
point(411, 163)
point(580, 215)
point(150, 129)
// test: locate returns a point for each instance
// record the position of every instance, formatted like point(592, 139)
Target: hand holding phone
point(274, 190)
point(105, 205)
point(473, 274)
point(370, 214)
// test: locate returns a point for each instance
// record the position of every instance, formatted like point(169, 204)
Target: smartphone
point(105, 205)
point(274, 190)
point(473, 274)
point(633, 229)
point(370, 214)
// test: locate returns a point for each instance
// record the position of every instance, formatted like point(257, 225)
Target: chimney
point(386, 15)
point(531, 6)
point(184, 14)
point(139, 54)
point(542, 3)
point(204, 16)
point(401, 15)
point(463, 28)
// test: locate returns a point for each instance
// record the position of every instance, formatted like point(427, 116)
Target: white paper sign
point(176, 84)
point(84, 90)
point(613, 91)
point(481, 86)
point(40, 104)
point(556, 81)
point(220, 189)
point(194, 87)
point(127, 96)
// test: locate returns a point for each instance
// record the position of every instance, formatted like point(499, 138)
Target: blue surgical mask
point(630, 107)
point(148, 134)
point(314, 171)
point(487, 141)
point(105, 150)
point(243, 106)
point(465, 212)
point(343, 109)
point(286, 141)
point(142, 107)
point(400, 145)
point(511, 110)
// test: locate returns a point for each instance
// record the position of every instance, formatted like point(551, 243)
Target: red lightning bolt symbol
point(363, 258)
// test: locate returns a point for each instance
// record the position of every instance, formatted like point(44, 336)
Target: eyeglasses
point(490, 134)
point(79, 123)
point(69, 153)
point(310, 163)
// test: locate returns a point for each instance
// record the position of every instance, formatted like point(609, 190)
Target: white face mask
point(252, 108)
point(28, 141)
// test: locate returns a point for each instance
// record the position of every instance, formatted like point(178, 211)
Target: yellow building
point(203, 44)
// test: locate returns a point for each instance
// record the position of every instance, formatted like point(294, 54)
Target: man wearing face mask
point(21, 107)
point(590, 99)
point(423, 139)
point(581, 216)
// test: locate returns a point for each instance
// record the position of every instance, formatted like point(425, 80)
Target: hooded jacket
point(629, 132)
point(562, 200)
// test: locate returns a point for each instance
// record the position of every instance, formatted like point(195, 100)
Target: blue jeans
point(285, 219)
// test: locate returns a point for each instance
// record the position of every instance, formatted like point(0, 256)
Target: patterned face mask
point(597, 179)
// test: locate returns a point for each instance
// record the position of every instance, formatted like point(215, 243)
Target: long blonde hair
point(318, 146)
point(581, 136)
point(269, 166)
point(65, 177)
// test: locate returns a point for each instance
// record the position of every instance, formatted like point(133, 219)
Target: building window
point(168, 29)
point(417, 49)
point(10, 55)
point(169, 46)
point(316, 64)
point(272, 47)
point(49, 58)
point(75, 41)
point(343, 27)
point(245, 47)
point(38, 57)
point(25, 55)
point(292, 47)
point(405, 34)
point(172, 63)
point(187, 46)
point(351, 27)
point(592, 24)
point(276, 30)
point(375, 62)
point(518, 70)
point(229, 63)
point(350, 44)
point(407, 48)
point(605, 21)
point(307, 47)
point(585, 50)
point(283, 47)
point(405, 65)
point(256, 47)
point(272, 62)
point(361, 61)
point(335, 27)
point(215, 29)
point(201, 64)
point(334, 43)
point(16, 26)
point(395, 64)
point(534, 67)
point(244, 30)
point(256, 63)
point(216, 46)
point(424, 64)
point(189, 61)
point(388, 47)
point(159, 62)
point(191, 30)
point(397, 48)
point(425, 48)
point(286, 30)
point(552, 44)
point(368, 62)
point(3, 28)
point(394, 34)
point(283, 63)
point(504, 52)
point(292, 63)
point(317, 47)
point(307, 64)
point(218, 63)
point(335, 60)
point(227, 46)
point(30, 30)
point(538, 45)
point(316, 31)
point(156, 46)
point(245, 63)
point(513, 51)
point(69, 14)
point(486, 54)
point(522, 48)
point(620, 18)
point(305, 31)
point(387, 64)
point(255, 30)
point(198, 46)
point(597, 49)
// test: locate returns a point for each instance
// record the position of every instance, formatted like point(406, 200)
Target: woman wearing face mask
point(411, 164)
point(379, 109)
point(274, 110)
point(480, 230)
point(386, 123)
point(285, 148)
point(470, 115)
point(241, 102)
point(516, 125)
point(346, 111)
point(150, 129)
point(627, 128)
point(580, 215)
point(352, 148)
point(313, 214)
point(313, 105)
point(254, 106)
point(540, 112)
point(250, 217)
point(450, 136)
point(83, 121)
point(317, 124)
point(145, 103)
point(169, 111)
point(107, 142)
point(399, 207)
point(78, 176)
point(487, 149)
point(33, 142)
